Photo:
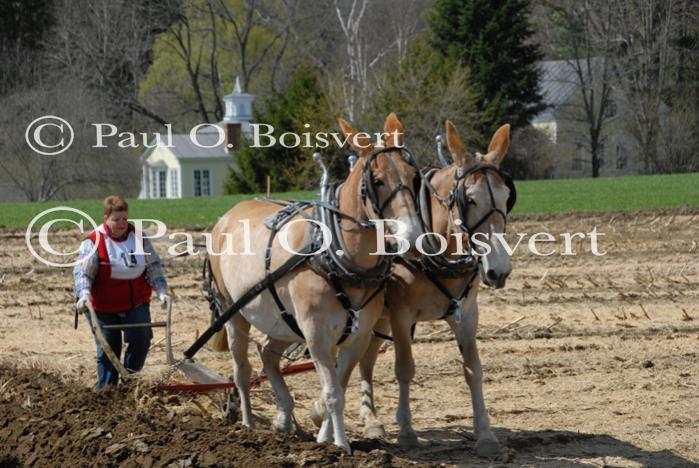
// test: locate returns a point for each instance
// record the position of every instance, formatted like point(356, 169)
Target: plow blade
point(195, 372)
point(200, 374)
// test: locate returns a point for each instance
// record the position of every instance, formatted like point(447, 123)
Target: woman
point(119, 282)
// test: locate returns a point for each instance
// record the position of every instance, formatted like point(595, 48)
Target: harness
point(439, 266)
point(337, 269)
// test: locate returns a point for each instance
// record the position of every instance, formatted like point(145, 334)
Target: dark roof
point(558, 84)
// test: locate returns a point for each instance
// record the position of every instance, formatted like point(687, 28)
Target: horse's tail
point(219, 342)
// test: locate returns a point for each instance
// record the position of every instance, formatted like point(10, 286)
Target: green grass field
point(607, 194)
point(536, 196)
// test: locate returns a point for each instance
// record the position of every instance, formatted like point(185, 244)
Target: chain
point(171, 370)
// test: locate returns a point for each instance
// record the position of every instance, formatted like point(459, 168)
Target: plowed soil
point(588, 361)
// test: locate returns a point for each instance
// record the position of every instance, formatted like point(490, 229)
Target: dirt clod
point(90, 439)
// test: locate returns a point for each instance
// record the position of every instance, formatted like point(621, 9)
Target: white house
point(196, 166)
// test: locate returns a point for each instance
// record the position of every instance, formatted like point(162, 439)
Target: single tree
point(582, 31)
point(493, 39)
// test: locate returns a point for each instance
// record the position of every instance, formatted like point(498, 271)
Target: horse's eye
point(377, 182)
point(470, 201)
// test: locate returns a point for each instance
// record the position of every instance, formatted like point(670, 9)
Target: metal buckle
point(457, 304)
point(355, 320)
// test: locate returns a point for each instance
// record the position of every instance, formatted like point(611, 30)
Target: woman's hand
point(164, 299)
point(84, 300)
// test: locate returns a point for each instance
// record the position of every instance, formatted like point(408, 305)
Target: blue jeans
point(137, 339)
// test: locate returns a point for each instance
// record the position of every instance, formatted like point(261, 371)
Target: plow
point(201, 378)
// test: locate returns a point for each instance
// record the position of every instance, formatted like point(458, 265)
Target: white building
point(564, 123)
point(182, 166)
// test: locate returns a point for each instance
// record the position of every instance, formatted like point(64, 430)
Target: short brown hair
point(114, 203)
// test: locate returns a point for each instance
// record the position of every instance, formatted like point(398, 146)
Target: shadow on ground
point(456, 445)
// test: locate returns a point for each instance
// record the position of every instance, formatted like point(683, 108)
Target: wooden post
point(269, 185)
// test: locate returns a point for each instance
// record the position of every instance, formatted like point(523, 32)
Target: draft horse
point(330, 298)
point(469, 198)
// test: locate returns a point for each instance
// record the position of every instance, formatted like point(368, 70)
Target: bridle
point(458, 196)
point(368, 189)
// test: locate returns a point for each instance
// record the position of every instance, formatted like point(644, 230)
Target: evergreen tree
point(493, 39)
point(289, 168)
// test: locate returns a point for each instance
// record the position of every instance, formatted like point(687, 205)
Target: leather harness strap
point(329, 208)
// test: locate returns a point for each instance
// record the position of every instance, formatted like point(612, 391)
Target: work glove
point(164, 300)
point(84, 300)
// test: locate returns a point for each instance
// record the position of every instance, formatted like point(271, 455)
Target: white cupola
point(238, 105)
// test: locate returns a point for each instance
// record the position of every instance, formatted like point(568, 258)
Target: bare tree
point(81, 170)
point(107, 44)
point(356, 78)
point(406, 23)
point(194, 38)
point(645, 63)
point(252, 34)
point(363, 54)
point(257, 15)
point(583, 29)
point(357, 44)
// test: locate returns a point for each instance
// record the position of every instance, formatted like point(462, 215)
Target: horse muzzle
point(493, 278)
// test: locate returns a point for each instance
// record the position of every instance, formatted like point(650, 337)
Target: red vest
point(110, 294)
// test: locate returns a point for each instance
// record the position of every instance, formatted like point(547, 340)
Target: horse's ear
point(456, 146)
point(360, 141)
point(497, 149)
point(393, 131)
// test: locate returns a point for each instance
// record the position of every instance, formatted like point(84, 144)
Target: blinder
point(417, 182)
point(512, 198)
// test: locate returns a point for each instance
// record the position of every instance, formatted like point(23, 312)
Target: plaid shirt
point(85, 270)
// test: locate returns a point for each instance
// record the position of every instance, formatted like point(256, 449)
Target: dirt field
point(602, 369)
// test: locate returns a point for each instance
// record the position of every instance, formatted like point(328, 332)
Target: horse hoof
point(282, 424)
point(408, 440)
point(346, 448)
point(317, 413)
point(487, 448)
point(375, 432)
point(231, 413)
